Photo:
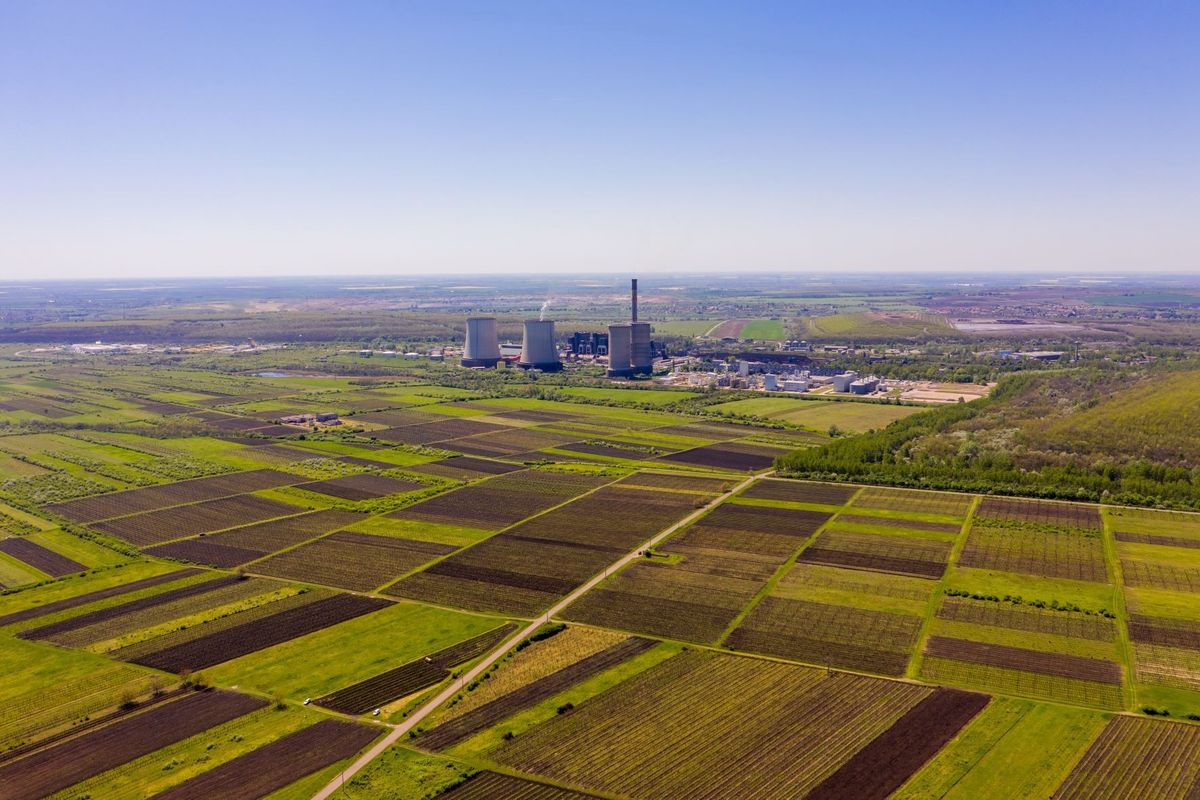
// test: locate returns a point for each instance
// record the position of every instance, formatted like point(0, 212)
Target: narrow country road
point(422, 712)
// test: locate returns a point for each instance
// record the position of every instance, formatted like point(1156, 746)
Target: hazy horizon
point(150, 140)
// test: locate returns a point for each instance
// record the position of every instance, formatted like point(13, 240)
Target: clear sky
point(172, 137)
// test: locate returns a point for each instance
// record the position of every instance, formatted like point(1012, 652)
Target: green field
point(651, 397)
point(875, 326)
point(820, 415)
point(769, 329)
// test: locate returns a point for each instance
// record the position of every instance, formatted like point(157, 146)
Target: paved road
point(421, 713)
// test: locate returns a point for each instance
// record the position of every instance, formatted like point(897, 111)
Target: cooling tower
point(483, 345)
point(619, 341)
point(537, 349)
point(639, 348)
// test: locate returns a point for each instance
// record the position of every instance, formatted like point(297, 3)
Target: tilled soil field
point(349, 560)
point(1057, 664)
point(361, 487)
point(96, 596)
point(1043, 512)
point(136, 501)
point(799, 492)
point(166, 524)
point(44, 772)
point(216, 648)
point(40, 558)
point(278, 764)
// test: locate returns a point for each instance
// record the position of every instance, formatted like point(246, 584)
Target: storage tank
point(640, 356)
point(619, 340)
point(537, 349)
point(483, 344)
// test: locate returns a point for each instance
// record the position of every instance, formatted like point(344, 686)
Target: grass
point(1014, 749)
point(763, 329)
point(403, 774)
point(320, 662)
point(181, 761)
point(1093, 596)
point(875, 325)
point(14, 572)
point(454, 535)
point(653, 397)
point(74, 585)
point(79, 549)
point(852, 417)
point(684, 327)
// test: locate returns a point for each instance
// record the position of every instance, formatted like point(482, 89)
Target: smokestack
point(633, 316)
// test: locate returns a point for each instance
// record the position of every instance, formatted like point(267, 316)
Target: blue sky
point(179, 138)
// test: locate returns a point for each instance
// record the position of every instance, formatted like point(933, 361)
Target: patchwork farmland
point(236, 611)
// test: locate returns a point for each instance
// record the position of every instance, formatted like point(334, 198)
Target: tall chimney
point(633, 317)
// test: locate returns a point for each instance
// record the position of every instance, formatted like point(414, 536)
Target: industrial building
point(483, 345)
point(583, 343)
point(538, 350)
point(864, 386)
point(841, 383)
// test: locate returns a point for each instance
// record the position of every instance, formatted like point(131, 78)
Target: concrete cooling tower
point(619, 340)
point(483, 345)
point(537, 349)
point(639, 351)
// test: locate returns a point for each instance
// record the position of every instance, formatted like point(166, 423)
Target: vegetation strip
point(40, 558)
point(462, 728)
point(884, 765)
point(361, 697)
point(224, 645)
point(278, 764)
point(54, 768)
point(113, 612)
point(493, 785)
point(1057, 664)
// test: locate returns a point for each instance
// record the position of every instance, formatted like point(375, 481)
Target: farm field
point(171, 532)
point(819, 415)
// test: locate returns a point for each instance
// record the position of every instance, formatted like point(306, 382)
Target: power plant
point(538, 350)
point(483, 344)
point(627, 344)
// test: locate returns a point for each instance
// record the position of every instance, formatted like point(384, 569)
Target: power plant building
point(619, 351)
point(482, 347)
point(841, 383)
point(538, 350)
point(588, 344)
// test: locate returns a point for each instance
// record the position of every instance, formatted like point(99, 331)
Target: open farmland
point(1137, 758)
point(361, 487)
point(491, 785)
point(40, 558)
point(736, 456)
point(799, 492)
point(524, 569)
point(499, 502)
point(716, 567)
point(903, 555)
point(214, 648)
point(278, 764)
point(43, 772)
point(678, 730)
point(1033, 551)
point(406, 679)
point(135, 501)
point(1041, 512)
point(349, 560)
point(912, 501)
point(155, 527)
point(251, 542)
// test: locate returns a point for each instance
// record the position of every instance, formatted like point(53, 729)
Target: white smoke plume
point(545, 306)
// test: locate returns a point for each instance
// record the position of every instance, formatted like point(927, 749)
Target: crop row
point(217, 647)
point(44, 772)
point(832, 494)
point(1035, 552)
point(1158, 575)
point(464, 468)
point(348, 560)
point(95, 596)
point(906, 556)
point(485, 716)
point(491, 785)
point(379, 690)
point(683, 729)
point(832, 635)
point(1041, 512)
point(1021, 618)
point(858, 581)
point(40, 558)
point(1137, 758)
point(678, 481)
point(913, 501)
point(155, 527)
point(1160, 665)
point(136, 501)
point(282, 762)
point(730, 455)
point(1021, 682)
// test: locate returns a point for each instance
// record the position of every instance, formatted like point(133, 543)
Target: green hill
point(1130, 437)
